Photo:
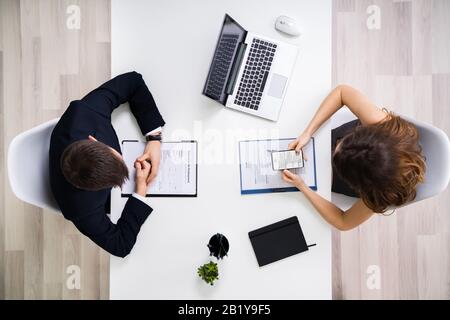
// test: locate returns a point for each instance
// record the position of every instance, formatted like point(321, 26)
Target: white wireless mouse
point(287, 25)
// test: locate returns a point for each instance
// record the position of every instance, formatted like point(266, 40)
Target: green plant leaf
point(209, 272)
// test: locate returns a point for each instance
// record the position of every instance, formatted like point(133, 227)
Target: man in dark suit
point(86, 162)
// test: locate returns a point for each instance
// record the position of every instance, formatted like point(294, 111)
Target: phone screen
point(287, 159)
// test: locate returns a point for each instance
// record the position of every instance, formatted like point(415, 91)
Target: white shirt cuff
point(159, 129)
point(139, 197)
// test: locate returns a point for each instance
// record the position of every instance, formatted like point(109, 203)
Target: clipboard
point(256, 171)
point(178, 170)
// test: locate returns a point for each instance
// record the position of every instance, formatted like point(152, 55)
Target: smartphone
point(287, 159)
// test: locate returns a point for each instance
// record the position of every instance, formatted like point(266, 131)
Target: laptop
point(249, 72)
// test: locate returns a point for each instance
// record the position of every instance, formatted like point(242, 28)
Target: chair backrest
point(436, 149)
point(28, 166)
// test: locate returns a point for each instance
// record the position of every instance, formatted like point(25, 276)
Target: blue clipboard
point(273, 190)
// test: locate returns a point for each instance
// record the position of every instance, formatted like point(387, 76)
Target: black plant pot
point(218, 246)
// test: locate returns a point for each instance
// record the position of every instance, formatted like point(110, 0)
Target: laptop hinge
point(235, 68)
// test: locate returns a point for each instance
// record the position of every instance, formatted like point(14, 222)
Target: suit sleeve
point(127, 87)
point(117, 239)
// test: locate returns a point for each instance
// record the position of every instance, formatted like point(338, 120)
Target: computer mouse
point(288, 25)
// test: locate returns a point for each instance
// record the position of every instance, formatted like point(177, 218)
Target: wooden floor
point(43, 66)
point(404, 65)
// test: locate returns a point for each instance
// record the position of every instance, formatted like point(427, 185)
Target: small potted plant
point(218, 247)
point(209, 272)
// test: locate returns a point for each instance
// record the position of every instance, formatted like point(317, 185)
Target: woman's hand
point(142, 173)
point(293, 179)
point(300, 142)
point(152, 154)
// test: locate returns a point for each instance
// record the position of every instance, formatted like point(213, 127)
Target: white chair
point(28, 166)
point(436, 149)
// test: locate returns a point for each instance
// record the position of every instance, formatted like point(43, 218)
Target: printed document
point(257, 174)
point(177, 174)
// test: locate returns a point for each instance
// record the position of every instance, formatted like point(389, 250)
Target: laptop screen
point(231, 36)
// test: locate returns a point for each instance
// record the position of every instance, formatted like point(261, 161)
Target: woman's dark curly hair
point(382, 162)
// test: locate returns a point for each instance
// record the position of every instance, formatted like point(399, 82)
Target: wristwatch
point(156, 137)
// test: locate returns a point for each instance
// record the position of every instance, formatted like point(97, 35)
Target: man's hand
point(293, 179)
point(152, 154)
point(142, 173)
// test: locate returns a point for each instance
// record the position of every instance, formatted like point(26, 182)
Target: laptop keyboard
point(256, 71)
point(221, 64)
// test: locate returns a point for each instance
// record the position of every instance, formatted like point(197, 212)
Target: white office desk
point(171, 43)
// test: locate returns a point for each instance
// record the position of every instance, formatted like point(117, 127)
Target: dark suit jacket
point(92, 116)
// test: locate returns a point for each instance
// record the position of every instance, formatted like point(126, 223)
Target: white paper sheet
point(177, 175)
point(257, 175)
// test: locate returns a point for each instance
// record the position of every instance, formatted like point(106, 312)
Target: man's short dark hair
point(91, 165)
